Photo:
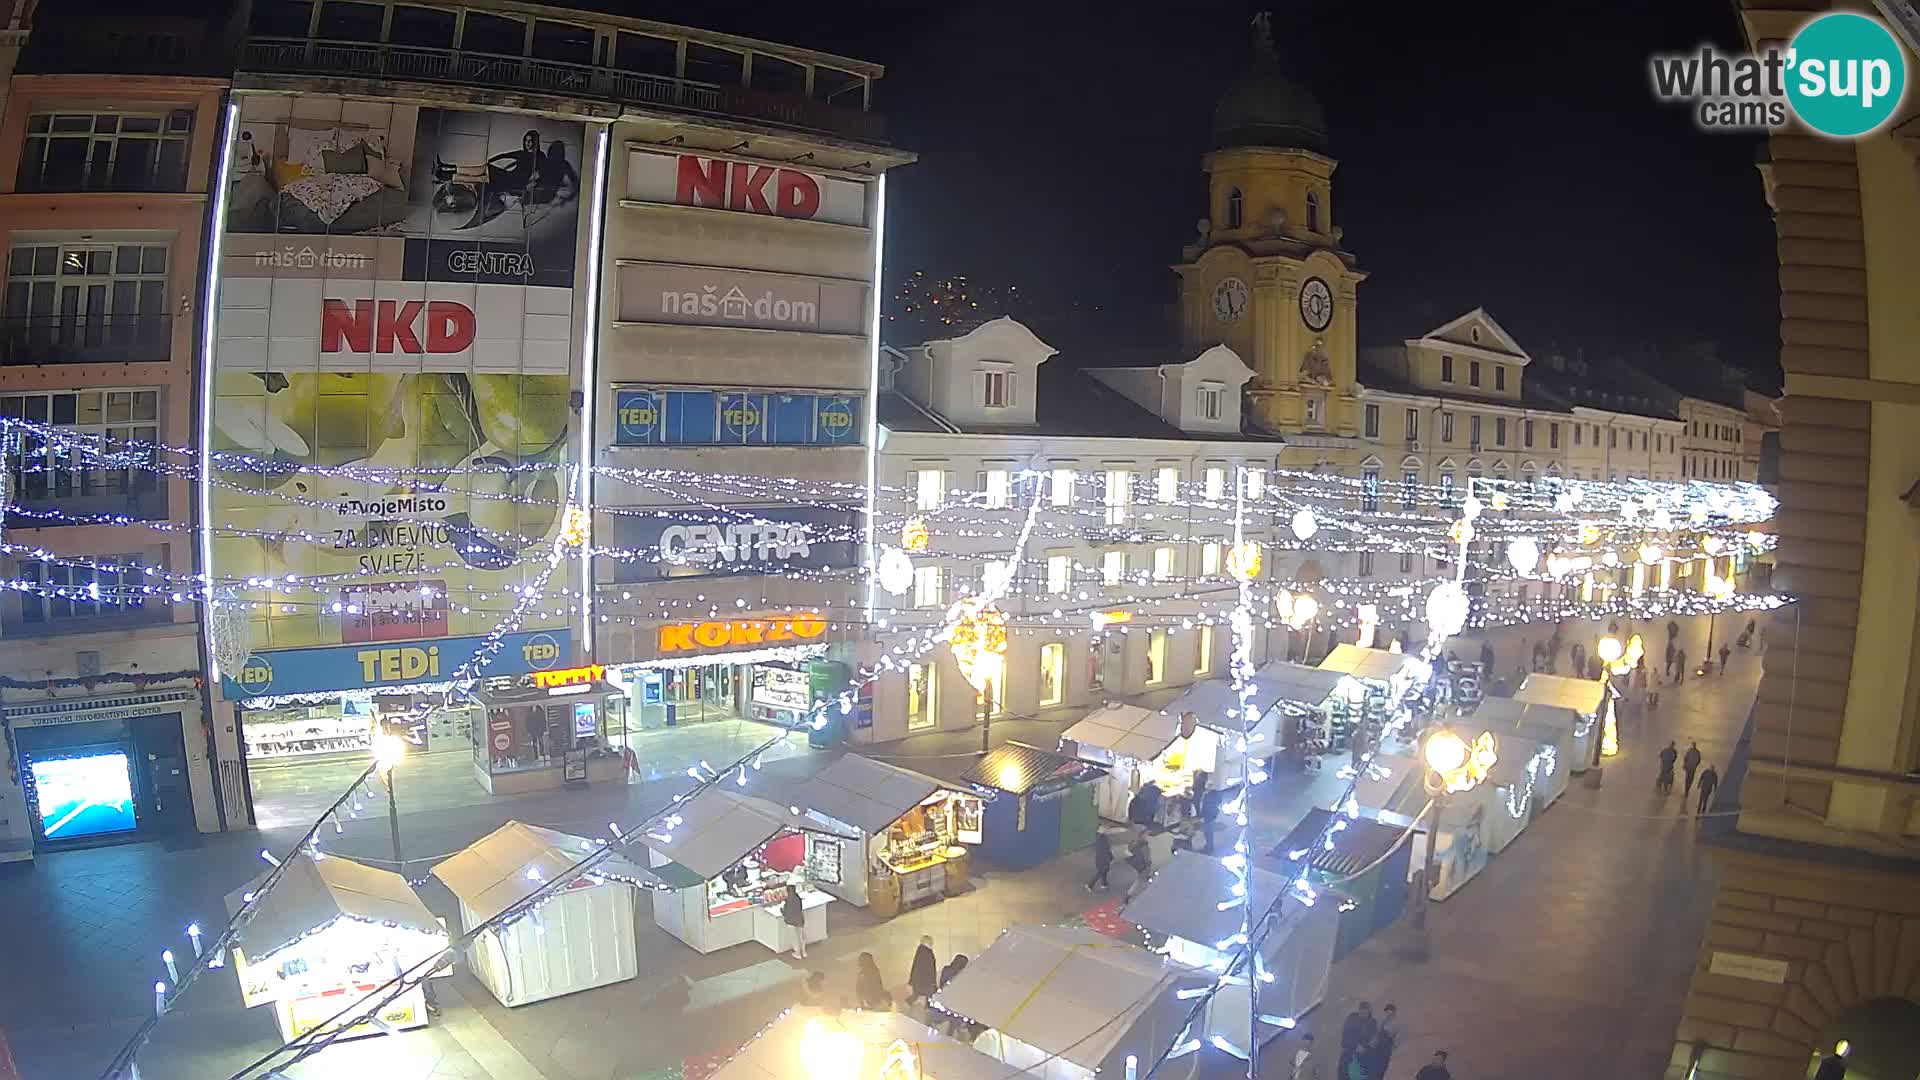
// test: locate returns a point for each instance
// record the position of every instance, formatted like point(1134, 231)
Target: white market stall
point(1309, 697)
point(1132, 743)
point(849, 1044)
point(1516, 779)
point(1066, 1003)
point(1547, 726)
point(1384, 679)
point(913, 830)
point(1465, 822)
point(1391, 789)
point(1591, 700)
point(329, 933)
point(579, 938)
point(1183, 903)
point(727, 865)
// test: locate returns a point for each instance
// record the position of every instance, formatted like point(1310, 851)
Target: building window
point(1446, 427)
point(1578, 433)
point(1156, 656)
point(1446, 369)
point(1372, 419)
point(100, 303)
point(1059, 573)
point(1499, 376)
point(1162, 563)
point(1216, 482)
point(1499, 431)
point(78, 482)
point(1596, 436)
point(1473, 373)
point(1473, 431)
point(996, 389)
point(1553, 437)
point(1366, 564)
point(1210, 559)
point(1446, 486)
point(1370, 489)
point(1119, 495)
point(1166, 483)
point(1053, 673)
point(1203, 651)
point(1526, 433)
point(1316, 409)
point(921, 713)
point(929, 488)
point(1313, 211)
point(1236, 208)
point(108, 589)
point(927, 591)
point(1613, 438)
point(1406, 562)
point(1256, 482)
point(1210, 399)
point(1409, 488)
point(1113, 567)
point(1060, 491)
point(998, 702)
point(144, 151)
point(995, 487)
point(1413, 425)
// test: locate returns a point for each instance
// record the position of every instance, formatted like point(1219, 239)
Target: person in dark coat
point(1832, 1067)
point(1209, 811)
point(1486, 657)
point(1673, 654)
point(794, 914)
point(1709, 779)
point(869, 989)
point(1144, 810)
point(1435, 1069)
point(924, 977)
point(1668, 755)
point(1140, 857)
point(1690, 764)
point(1680, 659)
point(1725, 651)
point(1356, 1031)
point(1102, 861)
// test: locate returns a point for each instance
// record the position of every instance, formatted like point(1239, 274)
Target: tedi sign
point(395, 326)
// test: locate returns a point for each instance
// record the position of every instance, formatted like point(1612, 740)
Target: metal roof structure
point(866, 794)
point(1126, 730)
point(1376, 664)
point(1183, 899)
point(1017, 769)
point(314, 893)
point(1583, 696)
point(718, 828)
point(1361, 844)
point(505, 866)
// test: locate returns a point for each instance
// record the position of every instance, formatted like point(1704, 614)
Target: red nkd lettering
point(388, 326)
point(741, 186)
point(700, 182)
point(796, 195)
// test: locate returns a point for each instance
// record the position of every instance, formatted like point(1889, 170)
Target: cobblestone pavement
point(1574, 945)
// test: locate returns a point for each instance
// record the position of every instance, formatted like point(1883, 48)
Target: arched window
point(1236, 209)
point(1313, 211)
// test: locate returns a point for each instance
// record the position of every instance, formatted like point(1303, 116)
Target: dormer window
point(1212, 401)
point(996, 388)
point(1313, 211)
point(1236, 209)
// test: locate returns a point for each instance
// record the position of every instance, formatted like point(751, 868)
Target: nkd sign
point(395, 326)
point(745, 187)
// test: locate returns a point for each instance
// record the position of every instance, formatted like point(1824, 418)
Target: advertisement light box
point(84, 796)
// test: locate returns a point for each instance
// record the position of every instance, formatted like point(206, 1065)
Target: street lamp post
point(1453, 765)
point(388, 751)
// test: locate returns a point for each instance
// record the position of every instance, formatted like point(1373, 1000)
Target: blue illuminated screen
point(84, 796)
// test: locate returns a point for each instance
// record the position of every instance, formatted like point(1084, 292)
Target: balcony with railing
point(86, 339)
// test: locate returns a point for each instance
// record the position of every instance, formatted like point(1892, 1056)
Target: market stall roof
point(1581, 695)
point(1299, 683)
point(1127, 730)
point(1017, 769)
point(1184, 899)
point(777, 1052)
point(1390, 782)
point(1359, 845)
point(1516, 758)
point(1497, 714)
point(718, 828)
point(1376, 664)
point(505, 866)
point(1070, 992)
point(314, 893)
point(866, 794)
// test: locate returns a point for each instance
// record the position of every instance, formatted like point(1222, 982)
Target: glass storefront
point(773, 692)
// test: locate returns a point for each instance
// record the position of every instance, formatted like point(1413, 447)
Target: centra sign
point(694, 636)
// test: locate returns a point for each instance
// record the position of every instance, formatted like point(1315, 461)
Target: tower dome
point(1264, 108)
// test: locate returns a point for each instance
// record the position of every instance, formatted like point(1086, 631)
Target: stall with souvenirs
point(576, 939)
point(1366, 866)
point(548, 729)
point(1039, 803)
point(1590, 700)
point(1183, 904)
point(1068, 1003)
point(914, 832)
point(1548, 729)
point(328, 934)
point(1383, 680)
point(852, 1044)
point(1135, 746)
point(725, 868)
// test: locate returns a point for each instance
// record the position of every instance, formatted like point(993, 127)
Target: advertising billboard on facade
point(395, 350)
point(748, 187)
point(717, 296)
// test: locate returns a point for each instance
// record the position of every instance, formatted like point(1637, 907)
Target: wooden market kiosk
point(914, 831)
point(727, 866)
point(1592, 700)
point(328, 934)
point(1039, 804)
point(579, 938)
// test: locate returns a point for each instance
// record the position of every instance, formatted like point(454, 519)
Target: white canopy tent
point(1542, 725)
point(1130, 741)
point(1373, 665)
point(1589, 699)
point(868, 797)
point(580, 938)
point(1183, 902)
point(855, 1045)
point(1063, 1003)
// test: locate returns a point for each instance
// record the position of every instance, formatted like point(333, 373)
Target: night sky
point(1494, 153)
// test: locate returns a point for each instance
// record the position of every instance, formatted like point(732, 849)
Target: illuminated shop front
point(770, 669)
point(103, 769)
point(564, 718)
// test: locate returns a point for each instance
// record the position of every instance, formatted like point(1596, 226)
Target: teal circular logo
point(1846, 74)
point(256, 675)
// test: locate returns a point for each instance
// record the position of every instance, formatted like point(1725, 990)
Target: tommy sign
point(701, 296)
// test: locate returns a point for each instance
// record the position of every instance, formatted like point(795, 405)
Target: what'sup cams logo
point(1843, 75)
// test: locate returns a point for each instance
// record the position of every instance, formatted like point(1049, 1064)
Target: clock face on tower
point(1229, 299)
point(1316, 304)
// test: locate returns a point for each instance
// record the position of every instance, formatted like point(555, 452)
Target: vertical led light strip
point(873, 386)
point(209, 299)
point(589, 377)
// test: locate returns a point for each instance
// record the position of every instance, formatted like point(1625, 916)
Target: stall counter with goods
point(914, 829)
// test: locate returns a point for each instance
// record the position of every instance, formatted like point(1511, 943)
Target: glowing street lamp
point(1453, 765)
point(979, 646)
point(390, 749)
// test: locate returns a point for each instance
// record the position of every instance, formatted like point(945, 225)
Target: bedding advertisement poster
point(395, 349)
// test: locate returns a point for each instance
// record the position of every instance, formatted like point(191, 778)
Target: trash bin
point(830, 735)
point(1593, 777)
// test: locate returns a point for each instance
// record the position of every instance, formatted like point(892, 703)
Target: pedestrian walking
point(1673, 629)
point(1144, 809)
point(1197, 792)
point(1673, 653)
point(1746, 636)
point(1102, 861)
point(1709, 779)
point(1140, 857)
point(1303, 1066)
point(1690, 764)
point(1435, 1069)
point(1373, 1057)
point(1681, 659)
point(1832, 1067)
point(794, 914)
point(1486, 657)
point(1209, 811)
point(1668, 755)
point(1725, 651)
point(1389, 1024)
point(923, 978)
point(869, 989)
point(1356, 1031)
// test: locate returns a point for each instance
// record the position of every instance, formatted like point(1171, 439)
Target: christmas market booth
point(1540, 731)
point(1310, 702)
point(580, 937)
point(1390, 788)
point(726, 865)
point(850, 1044)
point(329, 933)
point(913, 829)
point(1039, 804)
point(1366, 864)
point(1137, 746)
point(1519, 776)
point(1182, 903)
point(1591, 700)
point(548, 729)
point(1384, 678)
point(1068, 1003)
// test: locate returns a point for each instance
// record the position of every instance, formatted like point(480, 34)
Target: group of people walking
point(1709, 778)
point(925, 978)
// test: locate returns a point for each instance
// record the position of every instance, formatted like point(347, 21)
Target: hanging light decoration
point(1650, 553)
point(1243, 561)
point(1461, 531)
point(979, 642)
point(895, 571)
point(914, 535)
point(1303, 524)
point(1589, 533)
point(1447, 609)
point(1523, 554)
point(1713, 545)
